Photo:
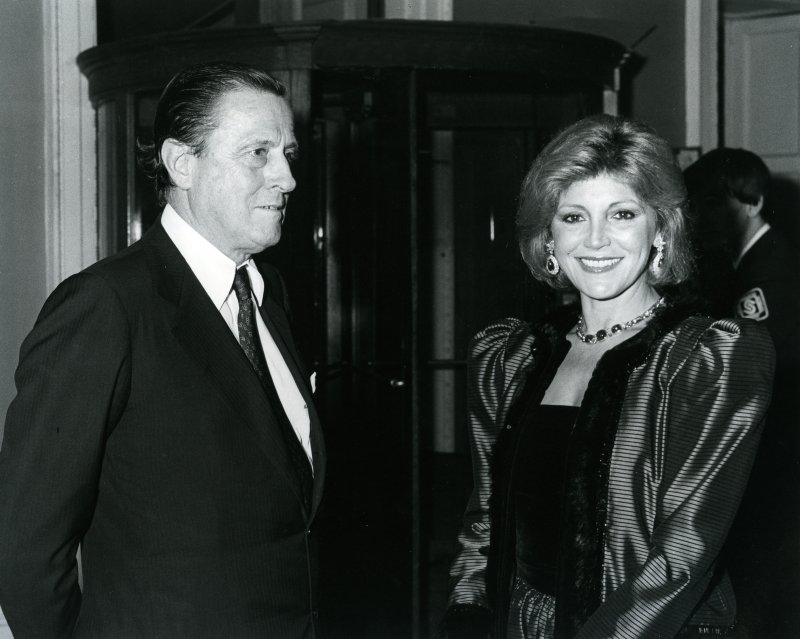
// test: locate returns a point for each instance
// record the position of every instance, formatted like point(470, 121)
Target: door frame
point(69, 141)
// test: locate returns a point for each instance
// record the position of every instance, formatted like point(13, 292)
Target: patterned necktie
point(251, 344)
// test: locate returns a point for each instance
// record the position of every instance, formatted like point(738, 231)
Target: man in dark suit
point(163, 421)
point(730, 192)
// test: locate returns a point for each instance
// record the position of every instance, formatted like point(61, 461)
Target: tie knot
point(241, 284)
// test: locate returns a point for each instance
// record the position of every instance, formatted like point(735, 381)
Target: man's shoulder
point(767, 281)
point(771, 252)
point(772, 262)
point(130, 271)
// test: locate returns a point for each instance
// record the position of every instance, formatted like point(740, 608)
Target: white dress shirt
point(756, 236)
point(216, 271)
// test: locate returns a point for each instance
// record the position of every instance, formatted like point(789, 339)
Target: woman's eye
point(570, 218)
point(624, 214)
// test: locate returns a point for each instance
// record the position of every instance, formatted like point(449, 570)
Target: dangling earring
point(658, 260)
point(551, 264)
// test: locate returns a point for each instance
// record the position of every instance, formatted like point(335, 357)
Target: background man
point(163, 419)
point(749, 269)
point(730, 188)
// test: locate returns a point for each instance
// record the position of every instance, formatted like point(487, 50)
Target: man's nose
point(280, 175)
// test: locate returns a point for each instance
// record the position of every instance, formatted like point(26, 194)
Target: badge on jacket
point(753, 305)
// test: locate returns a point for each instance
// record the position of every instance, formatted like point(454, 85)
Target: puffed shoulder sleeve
point(713, 392)
point(495, 356)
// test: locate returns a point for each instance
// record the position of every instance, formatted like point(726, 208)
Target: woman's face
point(603, 234)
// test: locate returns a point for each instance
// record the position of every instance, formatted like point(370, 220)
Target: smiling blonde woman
point(612, 443)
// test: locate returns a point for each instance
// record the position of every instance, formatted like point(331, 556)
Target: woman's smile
point(598, 264)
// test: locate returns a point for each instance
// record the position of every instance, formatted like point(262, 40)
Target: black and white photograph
point(391, 319)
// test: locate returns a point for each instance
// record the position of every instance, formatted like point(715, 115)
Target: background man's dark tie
point(251, 344)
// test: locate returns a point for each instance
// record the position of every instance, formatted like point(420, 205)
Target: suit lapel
point(204, 335)
point(278, 325)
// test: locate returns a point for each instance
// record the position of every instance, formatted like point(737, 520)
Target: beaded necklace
point(605, 333)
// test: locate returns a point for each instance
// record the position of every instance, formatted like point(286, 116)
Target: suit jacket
point(766, 535)
point(766, 291)
point(657, 463)
point(141, 432)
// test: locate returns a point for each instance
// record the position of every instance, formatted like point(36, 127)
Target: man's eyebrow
point(269, 143)
point(259, 142)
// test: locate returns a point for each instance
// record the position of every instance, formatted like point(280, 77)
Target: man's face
point(718, 222)
point(241, 182)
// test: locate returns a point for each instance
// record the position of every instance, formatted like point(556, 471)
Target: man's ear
point(755, 209)
point(177, 158)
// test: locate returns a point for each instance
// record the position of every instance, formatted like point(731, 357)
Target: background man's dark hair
point(735, 172)
point(187, 110)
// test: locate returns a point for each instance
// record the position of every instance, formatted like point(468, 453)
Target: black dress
point(537, 481)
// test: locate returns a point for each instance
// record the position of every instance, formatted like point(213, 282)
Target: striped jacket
point(657, 463)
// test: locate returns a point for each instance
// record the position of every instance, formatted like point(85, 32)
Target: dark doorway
point(417, 252)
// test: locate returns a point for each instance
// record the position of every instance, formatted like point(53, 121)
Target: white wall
point(23, 261)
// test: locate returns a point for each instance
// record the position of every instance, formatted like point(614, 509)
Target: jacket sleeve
point(488, 372)
point(712, 403)
point(71, 385)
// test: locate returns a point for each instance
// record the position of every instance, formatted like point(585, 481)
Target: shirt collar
point(756, 236)
point(212, 267)
point(256, 281)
